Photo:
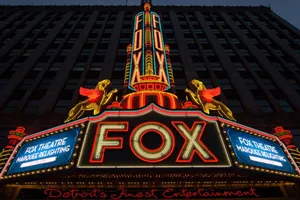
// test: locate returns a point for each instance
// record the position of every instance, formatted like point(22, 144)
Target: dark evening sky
point(288, 9)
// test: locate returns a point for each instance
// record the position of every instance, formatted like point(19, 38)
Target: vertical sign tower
point(148, 74)
point(148, 65)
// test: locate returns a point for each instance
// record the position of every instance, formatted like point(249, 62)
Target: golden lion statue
point(204, 98)
point(97, 98)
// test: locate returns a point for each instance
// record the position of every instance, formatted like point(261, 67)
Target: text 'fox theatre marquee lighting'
point(150, 127)
point(259, 151)
point(50, 150)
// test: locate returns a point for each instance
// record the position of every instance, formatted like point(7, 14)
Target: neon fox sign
point(153, 137)
point(148, 56)
point(192, 145)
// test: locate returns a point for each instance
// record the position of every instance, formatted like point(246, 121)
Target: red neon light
point(147, 160)
point(143, 96)
point(20, 129)
point(94, 95)
point(114, 105)
point(279, 129)
point(129, 101)
point(291, 146)
point(285, 137)
point(149, 108)
point(142, 86)
point(106, 138)
point(213, 158)
point(158, 87)
point(142, 100)
point(208, 94)
point(159, 99)
point(168, 193)
point(19, 138)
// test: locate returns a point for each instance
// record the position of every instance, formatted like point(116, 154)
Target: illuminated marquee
point(192, 144)
point(152, 137)
point(259, 151)
point(50, 150)
point(148, 56)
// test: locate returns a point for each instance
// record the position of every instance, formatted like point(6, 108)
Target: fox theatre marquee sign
point(152, 138)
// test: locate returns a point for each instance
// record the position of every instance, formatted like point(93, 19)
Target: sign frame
point(43, 134)
point(143, 111)
point(251, 131)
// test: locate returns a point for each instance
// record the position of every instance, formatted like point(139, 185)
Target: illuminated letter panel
point(152, 139)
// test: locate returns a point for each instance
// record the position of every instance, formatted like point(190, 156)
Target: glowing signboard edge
point(264, 136)
point(49, 132)
point(159, 110)
point(132, 51)
point(165, 57)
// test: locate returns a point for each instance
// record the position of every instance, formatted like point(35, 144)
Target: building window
point(11, 106)
point(235, 106)
point(32, 106)
point(61, 106)
point(264, 105)
point(251, 84)
point(225, 84)
point(285, 105)
point(268, 84)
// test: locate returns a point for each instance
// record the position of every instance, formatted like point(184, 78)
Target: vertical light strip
point(163, 45)
point(143, 56)
point(130, 72)
point(153, 46)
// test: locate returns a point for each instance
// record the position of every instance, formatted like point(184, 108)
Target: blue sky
point(287, 9)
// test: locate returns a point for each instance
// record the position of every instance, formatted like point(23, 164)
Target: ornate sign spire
point(149, 67)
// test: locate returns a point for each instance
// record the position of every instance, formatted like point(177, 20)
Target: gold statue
point(97, 98)
point(204, 98)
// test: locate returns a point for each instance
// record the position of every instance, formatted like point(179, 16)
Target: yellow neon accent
point(129, 48)
point(148, 37)
point(222, 110)
point(147, 18)
point(147, 6)
point(78, 110)
point(149, 65)
point(170, 70)
point(127, 68)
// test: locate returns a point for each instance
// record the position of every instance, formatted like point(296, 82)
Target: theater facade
point(148, 144)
